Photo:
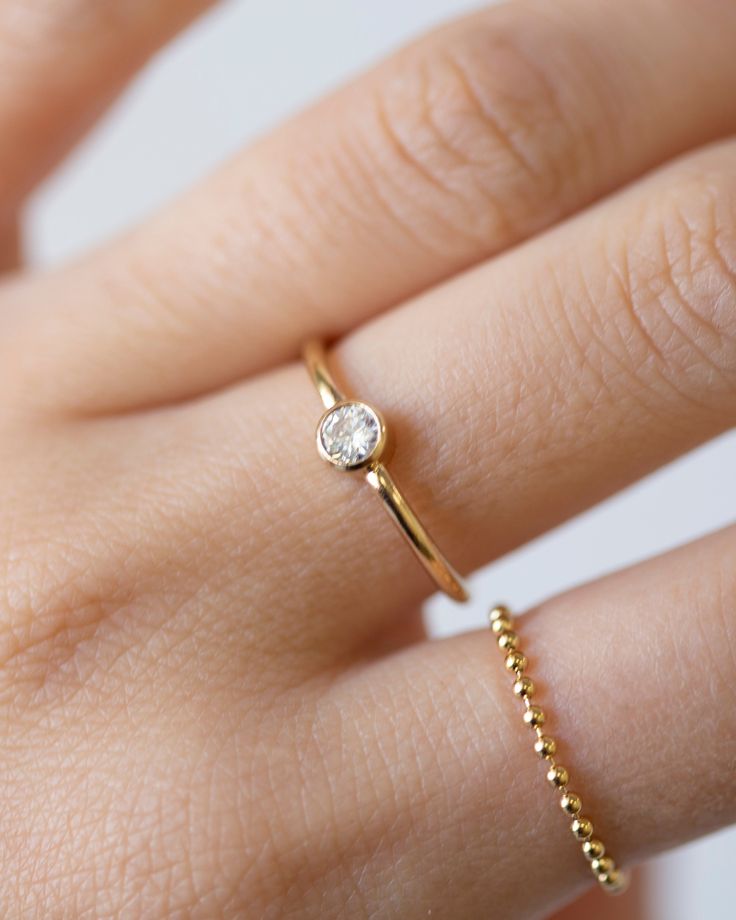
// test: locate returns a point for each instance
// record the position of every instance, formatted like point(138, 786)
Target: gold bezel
point(373, 457)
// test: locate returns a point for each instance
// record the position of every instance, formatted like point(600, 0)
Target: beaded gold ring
point(611, 879)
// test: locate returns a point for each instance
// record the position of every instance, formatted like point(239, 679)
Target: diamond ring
point(351, 436)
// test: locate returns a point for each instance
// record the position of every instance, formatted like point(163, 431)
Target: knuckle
point(681, 279)
point(475, 127)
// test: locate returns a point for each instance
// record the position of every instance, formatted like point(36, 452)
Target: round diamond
point(349, 434)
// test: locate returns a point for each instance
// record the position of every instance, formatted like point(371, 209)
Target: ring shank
point(414, 532)
point(316, 360)
point(379, 478)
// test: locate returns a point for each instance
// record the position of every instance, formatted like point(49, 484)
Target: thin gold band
point(376, 474)
point(611, 879)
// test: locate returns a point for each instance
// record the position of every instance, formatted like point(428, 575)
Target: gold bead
point(516, 662)
point(570, 802)
point(499, 618)
point(545, 746)
point(602, 866)
point(582, 828)
point(557, 776)
point(524, 688)
point(593, 849)
point(501, 625)
point(614, 882)
point(534, 716)
point(508, 640)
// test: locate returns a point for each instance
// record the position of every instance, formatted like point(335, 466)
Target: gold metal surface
point(379, 478)
point(611, 879)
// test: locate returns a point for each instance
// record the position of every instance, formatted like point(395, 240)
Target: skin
point(216, 698)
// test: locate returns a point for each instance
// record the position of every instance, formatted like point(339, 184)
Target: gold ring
point(611, 879)
point(351, 435)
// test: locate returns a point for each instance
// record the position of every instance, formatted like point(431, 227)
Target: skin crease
point(214, 698)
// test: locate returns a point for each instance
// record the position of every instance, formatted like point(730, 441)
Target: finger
point(595, 903)
point(62, 63)
point(532, 388)
point(407, 630)
point(9, 245)
point(636, 675)
point(464, 144)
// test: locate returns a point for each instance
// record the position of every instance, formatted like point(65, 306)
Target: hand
point(216, 697)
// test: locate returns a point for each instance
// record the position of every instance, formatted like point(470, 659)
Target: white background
point(240, 70)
